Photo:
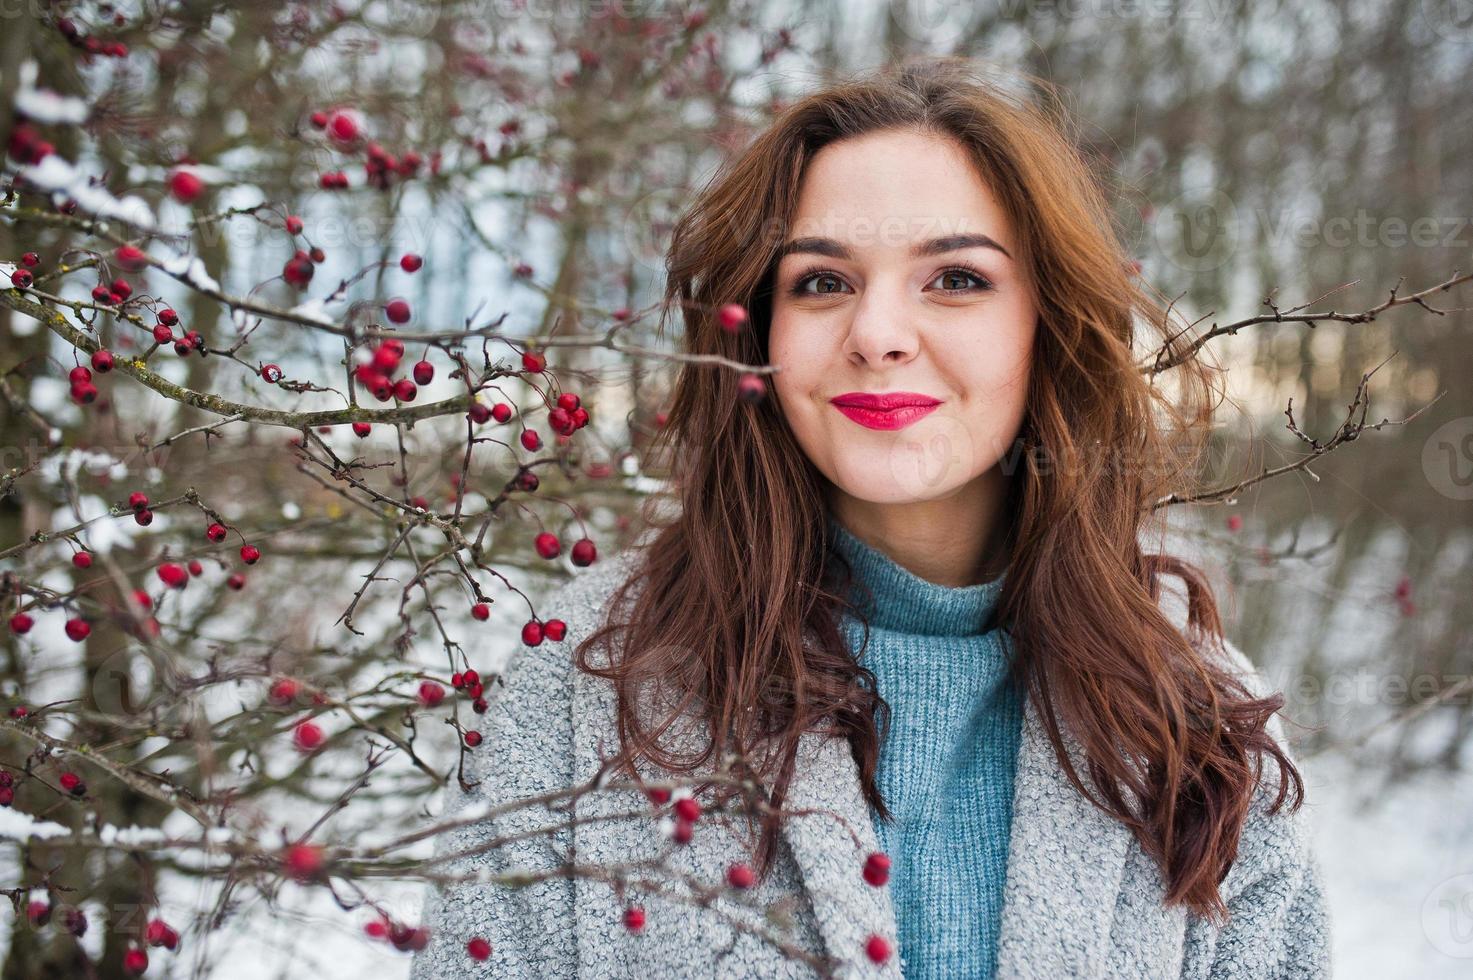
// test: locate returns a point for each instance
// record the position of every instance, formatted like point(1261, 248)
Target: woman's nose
point(882, 330)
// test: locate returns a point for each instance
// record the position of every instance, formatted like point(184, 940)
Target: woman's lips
point(895, 418)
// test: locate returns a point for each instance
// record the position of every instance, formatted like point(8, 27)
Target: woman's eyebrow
point(936, 246)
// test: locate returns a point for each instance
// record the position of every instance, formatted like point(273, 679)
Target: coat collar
point(1066, 859)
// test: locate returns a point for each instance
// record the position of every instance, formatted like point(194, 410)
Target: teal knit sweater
point(946, 764)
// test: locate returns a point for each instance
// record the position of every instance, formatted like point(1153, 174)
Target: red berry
point(84, 393)
point(307, 735)
point(319, 120)
point(684, 830)
point(732, 316)
point(82, 559)
point(555, 629)
point(739, 876)
point(172, 575)
point(342, 127)
point(411, 262)
point(479, 706)
point(168, 317)
point(135, 960)
point(30, 260)
point(303, 861)
point(397, 310)
point(236, 581)
point(38, 912)
point(472, 739)
point(584, 553)
point(547, 545)
point(250, 554)
point(877, 868)
point(362, 429)
point(138, 500)
point(479, 949)
point(102, 361)
point(658, 795)
point(751, 388)
point(186, 186)
point(298, 271)
point(687, 808)
point(101, 294)
point(424, 373)
point(79, 374)
point(567, 401)
point(430, 693)
point(159, 933)
point(120, 290)
point(877, 949)
point(385, 359)
point(1235, 522)
point(22, 278)
point(534, 362)
point(131, 258)
point(216, 532)
point(293, 224)
point(271, 373)
point(1403, 587)
point(283, 691)
point(77, 629)
point(530, 439)
point(634, 918)
point(532, 633)
point(404, 390)
point(162, 334)
point(501, 411)
point(143, 517)
point(481, 611)
point(21, 623)
point(72, 783)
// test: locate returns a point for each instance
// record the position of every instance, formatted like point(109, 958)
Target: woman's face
point(898, 276)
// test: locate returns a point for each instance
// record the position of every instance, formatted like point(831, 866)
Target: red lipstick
point(886, 410)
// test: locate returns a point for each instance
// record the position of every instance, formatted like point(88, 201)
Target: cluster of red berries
point(84, 392)
point(377, 375)
point(410, 939)
point(687, 812)
point(22, 277)
point(584, 551)
point(26, 145)
point(568, 415)
point(88, 43)
point(115, 293)
point(344, 128)
point(163, 333)
point(7, 785)
point(468, 682)
point(300, 268)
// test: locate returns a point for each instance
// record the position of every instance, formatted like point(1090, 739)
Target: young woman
point(902, 624)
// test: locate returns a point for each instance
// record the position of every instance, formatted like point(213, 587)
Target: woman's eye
point(827, 283)
point(955, 280)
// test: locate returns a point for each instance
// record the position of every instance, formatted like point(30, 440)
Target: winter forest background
point(288, 676)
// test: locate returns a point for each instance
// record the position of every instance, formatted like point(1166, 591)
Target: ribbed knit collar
point(907, 603)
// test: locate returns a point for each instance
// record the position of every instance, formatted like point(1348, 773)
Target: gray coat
point(1081, 898)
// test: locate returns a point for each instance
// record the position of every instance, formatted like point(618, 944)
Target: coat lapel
point(830, 846)
point(1066, 859)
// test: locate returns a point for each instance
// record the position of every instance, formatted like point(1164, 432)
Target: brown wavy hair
point(739, 605)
